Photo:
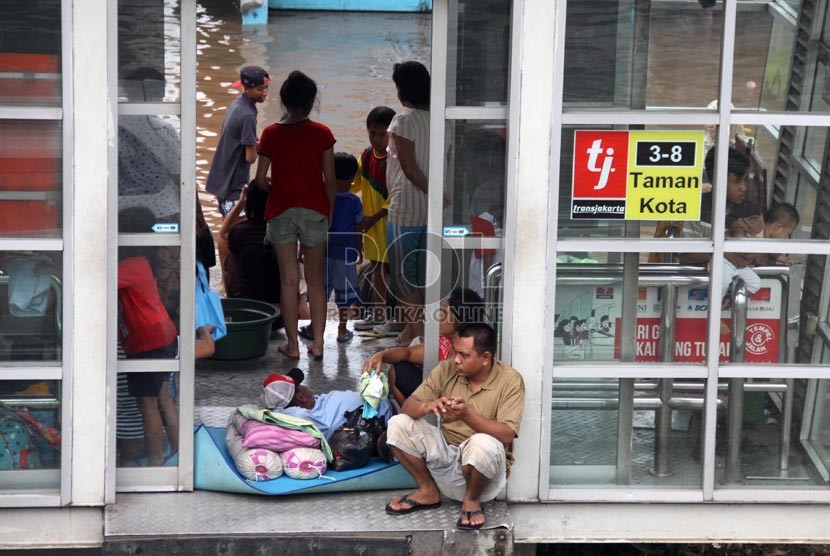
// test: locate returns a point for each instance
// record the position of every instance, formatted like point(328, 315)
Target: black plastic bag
point(351, 448)
point(374, 427)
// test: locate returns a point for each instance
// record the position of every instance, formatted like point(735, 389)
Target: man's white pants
point(422, 440)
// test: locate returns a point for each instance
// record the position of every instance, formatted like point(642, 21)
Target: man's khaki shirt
point(501, 398)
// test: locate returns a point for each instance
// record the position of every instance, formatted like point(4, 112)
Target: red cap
point(276, 377)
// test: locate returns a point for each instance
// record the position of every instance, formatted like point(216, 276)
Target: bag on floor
point(352, 449)
point(374, 428)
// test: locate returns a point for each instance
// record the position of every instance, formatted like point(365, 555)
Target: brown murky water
point(350, 55)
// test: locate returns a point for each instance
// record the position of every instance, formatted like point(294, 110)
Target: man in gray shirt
point(231, 166)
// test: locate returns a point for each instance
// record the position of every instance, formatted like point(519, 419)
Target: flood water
point(350, 55)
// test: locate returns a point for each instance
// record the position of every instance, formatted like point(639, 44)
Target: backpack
point(17, 450)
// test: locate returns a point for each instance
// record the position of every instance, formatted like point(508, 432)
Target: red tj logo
point(600, 164)
point(605, 170)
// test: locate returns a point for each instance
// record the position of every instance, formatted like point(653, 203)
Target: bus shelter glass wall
point(475, 176)
point(149, 174)
point(149, 51)
point(629, 55)
point(478, 52)
point(31, 178)
point(770, 433)
point(758, 443)
point(614, 433)
point(30, 53)
point(31, 279)
point(149, 253)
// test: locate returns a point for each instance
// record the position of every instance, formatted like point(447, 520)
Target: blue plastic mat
point(214, 470)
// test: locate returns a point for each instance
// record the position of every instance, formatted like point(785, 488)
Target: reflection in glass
point(139, 441)
point(626, 54)
point(816, 141)
point(31, 177)
point(758, 439)
point(148, 297)
point(478, 60)
point(660, 448)
point(779, 61)
point(148, 39)
point(30, 52)
point(149, 168)
point(476, 175)
point(31, 427)
point(31, 307)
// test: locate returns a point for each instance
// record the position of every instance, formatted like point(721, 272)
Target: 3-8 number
point(675, 156)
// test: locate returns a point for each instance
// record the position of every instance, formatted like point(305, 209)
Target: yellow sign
point(664, 175)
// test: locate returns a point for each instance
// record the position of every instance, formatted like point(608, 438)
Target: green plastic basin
point(249, 325)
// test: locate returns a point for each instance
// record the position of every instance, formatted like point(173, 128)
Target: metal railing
point(668, 395)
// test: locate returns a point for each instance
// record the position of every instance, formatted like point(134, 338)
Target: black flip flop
point(469, 516)
point(413, 506)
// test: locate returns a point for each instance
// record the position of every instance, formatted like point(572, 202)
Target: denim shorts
point(307, 226)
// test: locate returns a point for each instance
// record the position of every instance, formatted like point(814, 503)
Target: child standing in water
point(300, 154)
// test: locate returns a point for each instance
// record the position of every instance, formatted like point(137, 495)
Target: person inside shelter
point(479, 402)
point(461, 307)
point(736, 201)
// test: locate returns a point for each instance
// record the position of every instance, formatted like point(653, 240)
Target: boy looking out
point(230, 169)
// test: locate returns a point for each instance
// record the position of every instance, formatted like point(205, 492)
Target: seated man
point(479, 402)
point(327, 410)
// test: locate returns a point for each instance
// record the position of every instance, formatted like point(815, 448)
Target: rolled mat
point(214, 469)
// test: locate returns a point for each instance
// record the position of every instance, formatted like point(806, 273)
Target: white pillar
point(535, 64)
point(86, 236)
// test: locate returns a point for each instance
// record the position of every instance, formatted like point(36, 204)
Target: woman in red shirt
point(301, 193)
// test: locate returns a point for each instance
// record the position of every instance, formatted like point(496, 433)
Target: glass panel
point(149, 174)
point(478, 270)
point(816, 140)
point(31, 178)
point(661, 447)
point(30, 424)
point(478, 53)
point(31, 312)
point(753, 448)
point(759, 55)
point(476, 175)
point(149, 50)
point(30, 52)
point(627, 54)
point(774, 174)
point(805, 203)
point(148, 301)
point(589, 305)
point(603, 175)
point(147, 420)
point(778, 64)
point(794, 4)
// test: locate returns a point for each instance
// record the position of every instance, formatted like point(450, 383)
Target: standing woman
point(406, 178)
point(301, 193)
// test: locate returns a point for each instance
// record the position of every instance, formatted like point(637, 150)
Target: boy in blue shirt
point(345, 246)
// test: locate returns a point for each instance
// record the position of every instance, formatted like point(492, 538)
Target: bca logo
point(758, 338)
point(600, 164)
